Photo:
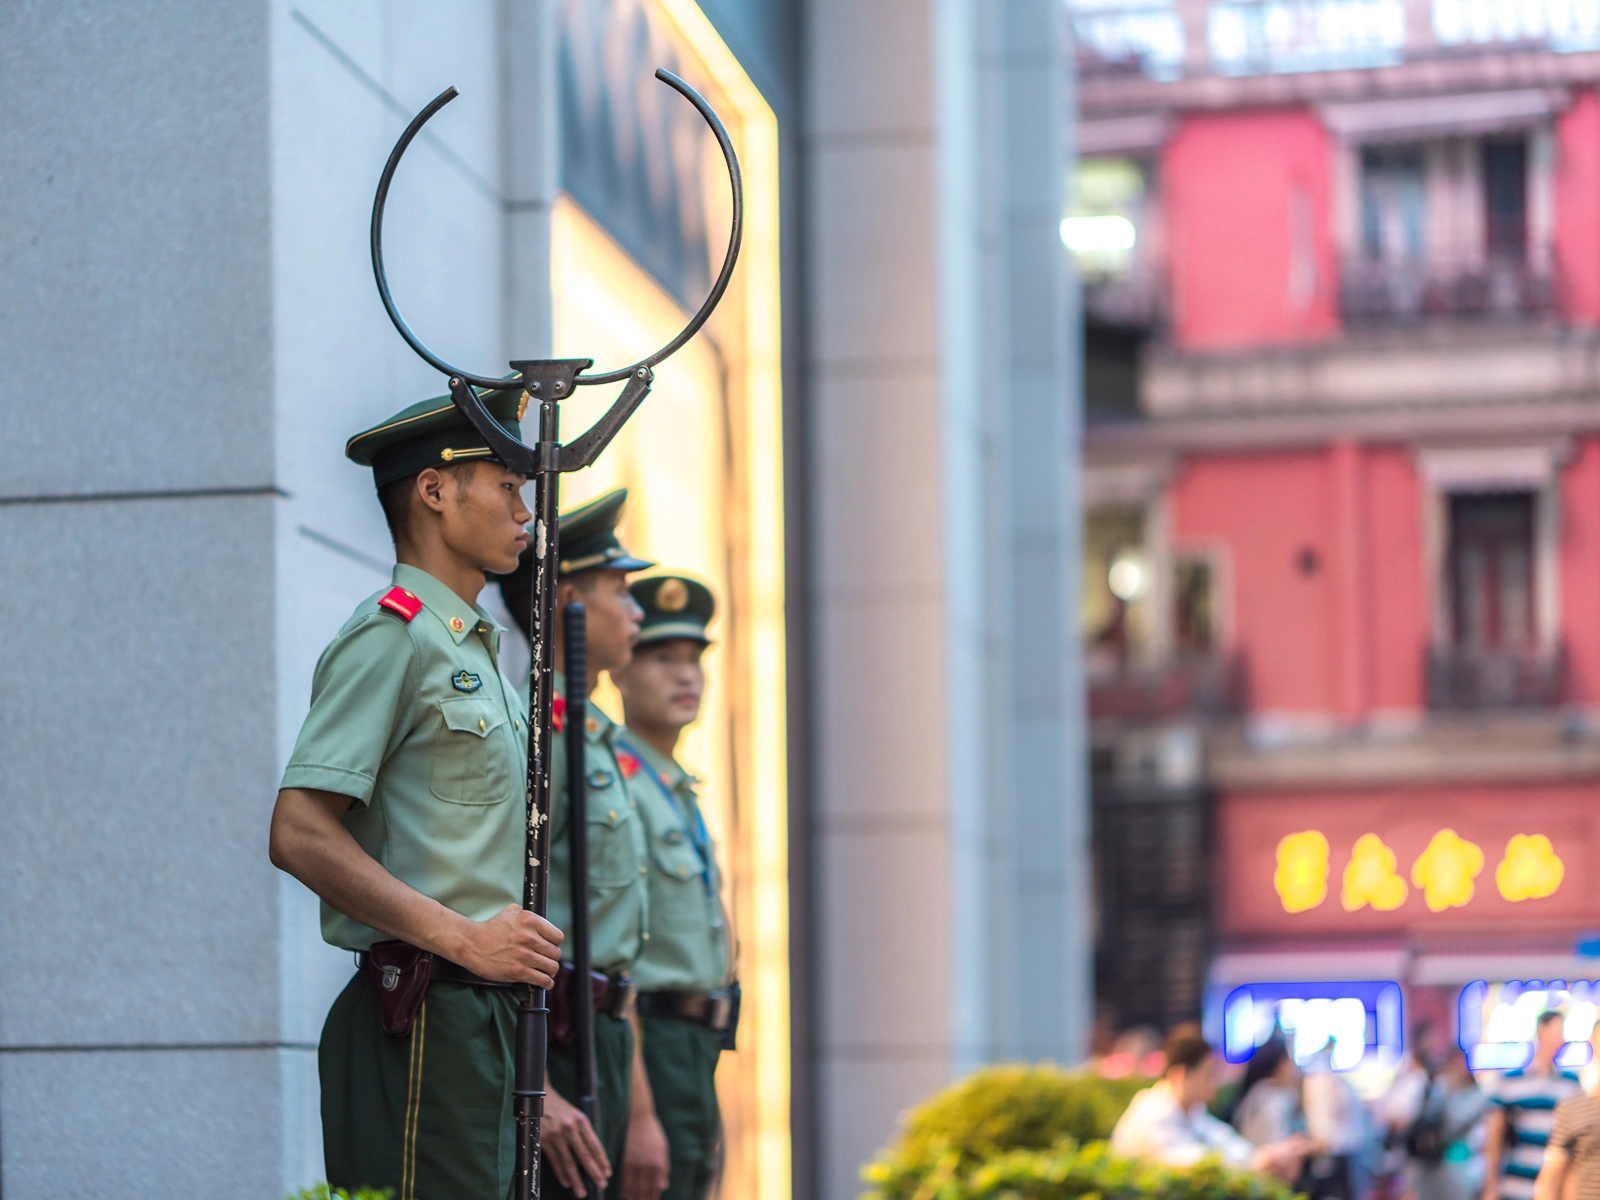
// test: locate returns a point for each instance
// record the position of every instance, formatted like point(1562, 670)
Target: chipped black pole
point(546, 383)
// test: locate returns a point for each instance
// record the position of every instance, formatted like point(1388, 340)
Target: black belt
point(442, 968)
point(613, 994)
point(714, 1010)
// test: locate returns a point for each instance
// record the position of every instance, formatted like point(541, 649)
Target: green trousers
point(428, 1114)
point(613, 1052)
point(680, 1058)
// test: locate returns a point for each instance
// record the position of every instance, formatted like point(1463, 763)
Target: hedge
point(1038, 1133)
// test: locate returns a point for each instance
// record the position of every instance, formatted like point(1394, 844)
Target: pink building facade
point(1341, 264)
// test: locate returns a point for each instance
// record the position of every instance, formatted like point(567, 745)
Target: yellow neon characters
point(1530, 870)
point(1369, 878)
point(1302, 874)
point(1446, 869)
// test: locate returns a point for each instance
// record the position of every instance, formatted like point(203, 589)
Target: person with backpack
point(1445, 1142)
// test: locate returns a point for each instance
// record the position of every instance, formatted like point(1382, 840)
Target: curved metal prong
point(378, 204)
point(730, 258)
point(735, 236)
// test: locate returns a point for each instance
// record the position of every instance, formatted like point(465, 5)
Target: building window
point(1102, 230)
point(1116, 588)
point(1505, 198)
point(1393, 204)
point(1491, 570)
point(1195, 606)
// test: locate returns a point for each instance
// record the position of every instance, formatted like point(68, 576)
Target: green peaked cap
point(675, 606)
point(588, 542)
point(431, 433)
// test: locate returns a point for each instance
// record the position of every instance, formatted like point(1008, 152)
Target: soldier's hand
point(645, 1161)
point(570, 1144)
point(514, 946)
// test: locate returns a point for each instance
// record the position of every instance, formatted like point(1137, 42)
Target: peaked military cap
point(589, 537)
point(588, 542)
point(675, 606)
point(432, 433)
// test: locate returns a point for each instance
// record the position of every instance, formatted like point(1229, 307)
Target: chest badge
point(600, 778)
point(465, 681)
point(672, 837)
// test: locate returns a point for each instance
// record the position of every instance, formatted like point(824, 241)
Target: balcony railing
point(1461, 678)
point(1211, 687)
point(1376, 291)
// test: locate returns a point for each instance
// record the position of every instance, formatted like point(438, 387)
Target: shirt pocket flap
point(471, 715)
point(677, 861)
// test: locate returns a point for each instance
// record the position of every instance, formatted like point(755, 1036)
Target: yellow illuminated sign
point(1446, 872)
point(1446, 869)
point(1370, 878)
point(1530, 870)
point(1302, 874)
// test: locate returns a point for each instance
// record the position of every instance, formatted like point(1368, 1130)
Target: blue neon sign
point(1364, 1021)
point(1498, 1022)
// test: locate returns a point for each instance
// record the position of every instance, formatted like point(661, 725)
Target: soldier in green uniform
point(687, 1001)
point(594, 569)
point(403, 807)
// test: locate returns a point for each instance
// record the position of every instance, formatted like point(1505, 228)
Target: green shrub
point(1013, 1107)
point(322, 1192)
point(1037, 1133)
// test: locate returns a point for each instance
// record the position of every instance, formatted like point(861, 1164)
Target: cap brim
point(628, 563)
point(669, 631)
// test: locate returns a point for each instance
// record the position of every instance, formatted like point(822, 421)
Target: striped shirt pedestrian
point(1527, 1101)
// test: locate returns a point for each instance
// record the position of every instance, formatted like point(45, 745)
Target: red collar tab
point(628, 763)
point(558, 712)
point(399, 601)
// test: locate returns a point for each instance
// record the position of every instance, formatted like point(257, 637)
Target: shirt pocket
point(613, 857)
point(470, 765)
point(678, 889)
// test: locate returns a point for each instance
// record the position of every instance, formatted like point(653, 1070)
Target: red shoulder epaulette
point(628, 763)
point(403, 603)
point(558, 712)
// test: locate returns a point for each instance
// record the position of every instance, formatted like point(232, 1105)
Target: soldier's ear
point(430, 488)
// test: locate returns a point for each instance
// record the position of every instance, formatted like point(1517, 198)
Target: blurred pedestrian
point(1520, 1126)
point(1337, 1121)
point(1445, 1141)
point(1401, 1104)
point(1169, 1122)
point(1268, 1108)
point(1572, 1158)
point(1136, 1051)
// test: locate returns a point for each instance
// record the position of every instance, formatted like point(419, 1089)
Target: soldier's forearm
point(310, 842)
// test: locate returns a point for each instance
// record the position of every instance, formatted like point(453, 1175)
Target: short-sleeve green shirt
point(618, 902)
point(415, 722)
point(688, 947)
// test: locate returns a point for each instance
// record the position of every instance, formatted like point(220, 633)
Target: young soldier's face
point(613, 618)
point(481, 513)
point(663, 684)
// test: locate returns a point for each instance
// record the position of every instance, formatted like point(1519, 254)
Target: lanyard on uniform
point(698, 837)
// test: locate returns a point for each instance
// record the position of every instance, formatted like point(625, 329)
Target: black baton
point(575, 633)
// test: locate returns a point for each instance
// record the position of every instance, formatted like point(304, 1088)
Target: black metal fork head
point(555, 379)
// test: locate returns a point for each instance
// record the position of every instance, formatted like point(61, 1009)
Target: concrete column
point(949, 800)
point(531, 168)
point(138, 1007)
